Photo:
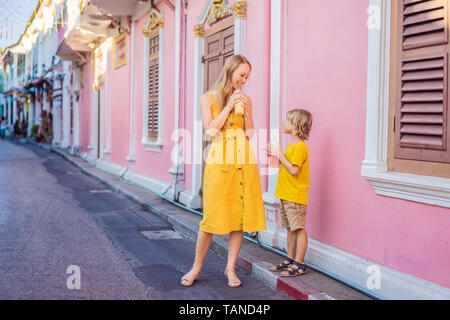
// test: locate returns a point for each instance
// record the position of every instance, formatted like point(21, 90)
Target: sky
point(14, 15)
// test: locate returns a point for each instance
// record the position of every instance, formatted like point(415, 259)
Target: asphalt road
point(64, 235)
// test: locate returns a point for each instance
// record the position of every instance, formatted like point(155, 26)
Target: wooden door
point(219, 46)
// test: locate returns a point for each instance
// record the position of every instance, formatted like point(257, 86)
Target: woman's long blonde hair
point(223, 85)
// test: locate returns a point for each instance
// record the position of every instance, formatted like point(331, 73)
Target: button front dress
point(232, 197)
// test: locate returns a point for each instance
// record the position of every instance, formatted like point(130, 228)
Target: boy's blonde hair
point(301, 119)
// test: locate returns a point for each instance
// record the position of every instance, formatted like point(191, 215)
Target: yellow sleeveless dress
point(232, 196)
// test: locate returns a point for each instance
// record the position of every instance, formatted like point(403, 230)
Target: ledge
point(424, 189)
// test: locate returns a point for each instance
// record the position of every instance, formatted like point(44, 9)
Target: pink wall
point(327, 74)
point(119, 107)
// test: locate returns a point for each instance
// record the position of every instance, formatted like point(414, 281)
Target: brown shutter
point(218, 47)
point(153, 87)
point(421, 118)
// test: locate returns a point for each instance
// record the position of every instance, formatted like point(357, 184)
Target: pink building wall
point(327, 74)
point(119, 107)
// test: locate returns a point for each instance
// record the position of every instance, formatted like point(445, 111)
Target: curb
point(187, 224)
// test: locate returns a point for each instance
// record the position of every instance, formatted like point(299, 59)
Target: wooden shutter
point(153, 86)
point(218, 48)
point(421, 117)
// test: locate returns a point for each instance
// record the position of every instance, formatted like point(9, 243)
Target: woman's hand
point(234, 99)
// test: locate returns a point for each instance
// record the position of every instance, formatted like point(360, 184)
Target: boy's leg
point(302, 245)
point(291, 243)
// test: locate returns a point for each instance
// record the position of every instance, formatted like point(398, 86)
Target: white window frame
point(418, 188)
point(154, 146)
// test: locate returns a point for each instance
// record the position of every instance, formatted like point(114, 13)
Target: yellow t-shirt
point(294, 188)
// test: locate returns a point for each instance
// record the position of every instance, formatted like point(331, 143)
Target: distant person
point(16, 129)
point(2, 128)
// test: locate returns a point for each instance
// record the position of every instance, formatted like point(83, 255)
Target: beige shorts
point(293, 215)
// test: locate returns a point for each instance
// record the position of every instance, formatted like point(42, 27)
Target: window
point(414, 180)
point(153, 80)
point(153, 87)
point(421, 99)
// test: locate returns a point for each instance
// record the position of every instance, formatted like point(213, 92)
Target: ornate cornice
point(154, 22)
point(240, 9)
point(199, 30)
point(218, 12)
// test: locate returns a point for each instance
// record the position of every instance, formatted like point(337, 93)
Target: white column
point(276, 19)
point(93, 105)
point(66, 106)
point(76, 109)
point(177, 77)
point(177, 165)
point(14, 108)
point(9, 110)
point(30, 118)
point(239, 35)
point(197, 127)
point(131, 145)
point(377, 91)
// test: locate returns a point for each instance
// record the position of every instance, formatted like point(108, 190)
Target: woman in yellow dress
point(232, 197)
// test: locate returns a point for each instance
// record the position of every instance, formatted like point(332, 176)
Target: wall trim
point(356, 270)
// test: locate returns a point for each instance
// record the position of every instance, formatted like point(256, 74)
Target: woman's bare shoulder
point(206, 97)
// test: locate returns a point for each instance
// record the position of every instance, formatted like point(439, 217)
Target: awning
point(124, 8)
point(66, 53)
point(91, 27)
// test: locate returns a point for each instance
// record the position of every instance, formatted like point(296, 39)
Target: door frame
point(238, 17)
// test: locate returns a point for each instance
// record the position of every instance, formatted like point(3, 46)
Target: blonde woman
point(232, 197)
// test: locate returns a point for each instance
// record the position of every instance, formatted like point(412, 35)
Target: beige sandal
point(232, 283)
point(188, 281)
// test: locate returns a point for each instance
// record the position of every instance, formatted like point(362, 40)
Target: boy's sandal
point(293, 272)
point(282, 266)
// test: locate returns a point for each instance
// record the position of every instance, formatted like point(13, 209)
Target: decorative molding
point(240, 9)
point(154, 22)
point(155, 146)
point(219, 11)
point(199, 30)
point(423, 189)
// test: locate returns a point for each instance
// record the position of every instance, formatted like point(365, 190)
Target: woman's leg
point(201, 249)
point(234, 246)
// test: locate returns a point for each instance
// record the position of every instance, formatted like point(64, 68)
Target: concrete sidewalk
point(253, 258)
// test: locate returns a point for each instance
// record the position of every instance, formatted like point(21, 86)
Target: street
point(55, 221)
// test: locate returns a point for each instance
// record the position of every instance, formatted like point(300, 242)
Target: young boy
point(292, 189)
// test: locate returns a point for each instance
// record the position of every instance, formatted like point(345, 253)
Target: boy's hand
point(274, 151)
